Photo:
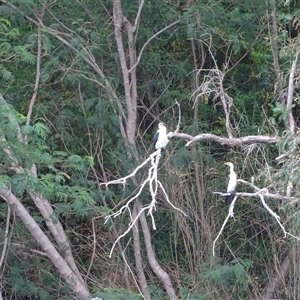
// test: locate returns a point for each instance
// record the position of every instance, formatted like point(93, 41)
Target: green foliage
point(118, 294)
point(281, 112)
point(41, 130)
point(234, 277)
point(75, 141)
point(28, 276)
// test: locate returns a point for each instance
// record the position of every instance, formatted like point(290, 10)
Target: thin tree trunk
point(70, 278)
point(290, 96)
point(138, 256)
point(41, 203)
point(157, 269)
point(276, 281)
point(57, 231)
point(285, 99)
point(130, 89)
point(274, 46)
point(129, 82)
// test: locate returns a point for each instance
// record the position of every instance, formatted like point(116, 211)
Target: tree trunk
point(41, 203)
point(157, 269)
point(277, 280)
point(70, 278)
point(138, 257)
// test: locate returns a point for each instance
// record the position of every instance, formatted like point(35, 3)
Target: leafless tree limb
point(153, 184)
point(38, 67)
point(130, 270)
point(212, 84)
point(32, 251)
point(261, 193)
point(230, 214)
point(152, 37)
point(224, 140)
point(138, 16)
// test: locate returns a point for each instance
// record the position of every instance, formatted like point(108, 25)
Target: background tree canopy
point(83, 87)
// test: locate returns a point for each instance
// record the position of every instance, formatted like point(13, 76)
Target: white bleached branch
point(153, 183)
point(261, 193)
point(250, 139)
point(230, 214)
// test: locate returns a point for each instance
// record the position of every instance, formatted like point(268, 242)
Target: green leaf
point(26, 129)
point(60, 153)
point(90, 160)
point(75, 159)
point(44, 77)
point(61, 176)
point(5, 181)
point(41, 129)
point(5, 46)
point(6, 75)
point(24, 55)
point(4, 25)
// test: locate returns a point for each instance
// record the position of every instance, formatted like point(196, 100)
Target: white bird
point(230, 184)
point(160, 139)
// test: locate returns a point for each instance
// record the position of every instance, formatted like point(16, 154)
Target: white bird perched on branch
point(230, 184)
point(160, 139)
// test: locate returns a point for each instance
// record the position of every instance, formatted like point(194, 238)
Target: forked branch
point(261, 193)
point(153, 184)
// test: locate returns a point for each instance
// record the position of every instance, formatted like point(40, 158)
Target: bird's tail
point(229, 198)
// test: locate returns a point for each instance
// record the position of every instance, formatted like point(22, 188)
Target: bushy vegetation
point(72, 118)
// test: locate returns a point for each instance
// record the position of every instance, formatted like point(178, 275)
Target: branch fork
point(154, 186)
point(261, 193)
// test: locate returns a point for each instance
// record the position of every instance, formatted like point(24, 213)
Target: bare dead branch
point(272, 213)
point(38, 68)
point(261, 193)
point(32, 251)
point(264, 192)
point(130, 270)
point(212, 84)
point(154, 263)
point(138, 16)
point(230, 214)
point(152, 37)
point(153, 184)
point(224, 140)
